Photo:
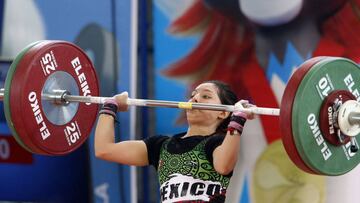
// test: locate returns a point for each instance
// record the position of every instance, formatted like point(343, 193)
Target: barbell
point(51, 88)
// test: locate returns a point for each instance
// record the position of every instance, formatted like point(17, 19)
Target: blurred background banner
point(163, 13)
point(104, 30)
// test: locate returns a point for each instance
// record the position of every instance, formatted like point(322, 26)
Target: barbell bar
point(47, 97)
point(63, 97)
point(354, 118)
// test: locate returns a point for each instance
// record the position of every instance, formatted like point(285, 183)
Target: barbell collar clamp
point(57, 97)
point(348, 118)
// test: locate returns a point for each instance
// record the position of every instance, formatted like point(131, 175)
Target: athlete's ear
point(223, 115)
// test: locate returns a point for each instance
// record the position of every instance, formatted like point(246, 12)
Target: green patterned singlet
point(189, 176)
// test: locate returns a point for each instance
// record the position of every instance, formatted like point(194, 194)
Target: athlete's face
point(205, 93)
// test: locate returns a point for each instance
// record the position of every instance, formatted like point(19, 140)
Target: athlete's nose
point(194, 98)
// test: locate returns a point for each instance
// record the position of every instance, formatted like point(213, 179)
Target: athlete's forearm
point(104, 134)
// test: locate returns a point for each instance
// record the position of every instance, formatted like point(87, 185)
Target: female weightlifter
point(194, 166)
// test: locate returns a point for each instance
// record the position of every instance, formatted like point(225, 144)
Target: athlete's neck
point(199, 130)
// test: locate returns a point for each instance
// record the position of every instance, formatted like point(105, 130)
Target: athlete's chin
point(192, 116)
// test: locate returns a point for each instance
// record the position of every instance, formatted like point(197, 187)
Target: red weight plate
point(6, 101)
point(16, 88)
point(327, 129)
point(286, 113)
point(38, 64)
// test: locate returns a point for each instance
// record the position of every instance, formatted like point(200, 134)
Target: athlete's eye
point(205, 96)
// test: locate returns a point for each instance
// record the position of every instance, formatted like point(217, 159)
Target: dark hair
point(228, 97)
